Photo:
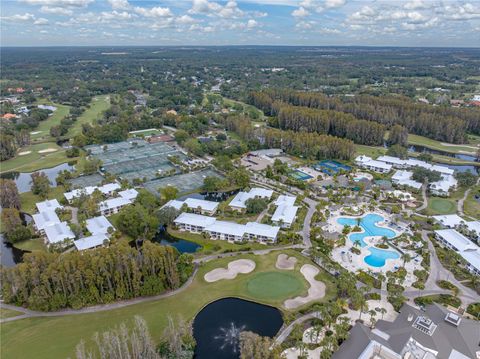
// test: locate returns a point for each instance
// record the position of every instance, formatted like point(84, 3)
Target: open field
point(437, 205)
point(97, 106)
point(30, 245)
point(43, 128)
point(28, 199)
point(33, 160)
point(437, 145)
point(371, 151)
point(471, 206)
point(56, 337)
point(8, 313)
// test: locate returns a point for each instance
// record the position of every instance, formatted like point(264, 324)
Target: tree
point(212, 183)
point(8, 146)
point(147, 200)
point(168, 193)
point(239, 177)
point(92, 166)
point(424, 156)
point(194, 146)
point(40, 184)
point(397, 151)
point(181, 136)
point(423, 175)
point(466, 179)
point(121, 342)
point(12, 226)
point(254, 346)
point(177, 341)
point(9, 196)
point(398, 136)
point(167, 215)
point(137, 222)
point(256, 205)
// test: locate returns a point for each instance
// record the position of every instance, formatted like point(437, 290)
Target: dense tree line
point(51, 281)
point(440, 123)
point(329, 122)
point(307, 144)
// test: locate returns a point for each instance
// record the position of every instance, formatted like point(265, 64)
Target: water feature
point(210, 196)
point(23, 179)
point(182, 245)
point(423, 149)
point(378, 257)
point(367, 223)
point(9, 255)
point(217, 327)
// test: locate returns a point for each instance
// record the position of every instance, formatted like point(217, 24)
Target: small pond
point(423, 149)
point(10, 256)
point(210, 196)
point(182, 245)
point(23, 179)
point(217, 327)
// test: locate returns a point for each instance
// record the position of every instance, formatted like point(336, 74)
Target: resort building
point(93, 241)
point(99, 225)
point(468, 250)
point(444, 186)
point(434, 332)
point(200, 206)
point(239, 201)
point(372, 165)
point(455, 221)
point(393, 161)
point(284, 215)
point(412, 162)
point(404, 178)
point(48, 205)
point(112, 206)
point(45, 219)
point(224, 230)
point(58, 233)
point(130, 194)
point(107, 189)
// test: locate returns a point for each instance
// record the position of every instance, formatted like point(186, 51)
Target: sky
point(446, 23)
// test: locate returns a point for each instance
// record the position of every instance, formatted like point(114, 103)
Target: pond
point(423, 149)
point(210, 196)
point(217, 327)
point(10, 256)
point(23, 179)
point(182, 245)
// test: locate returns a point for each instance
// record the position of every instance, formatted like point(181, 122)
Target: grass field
point(28, 199)
point(8, 313)
point(97, 106)
point(148, 132)
point(437, 205)
point(56, 337)
point(30, 245)
point(44, 127)
point(34, 161)
point(281, 285)
point(471, 206)
point(370, 151)
point(438, 145)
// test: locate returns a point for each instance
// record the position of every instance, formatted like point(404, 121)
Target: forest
point(52, 281)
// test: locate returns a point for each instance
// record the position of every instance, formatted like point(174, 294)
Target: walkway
point(462, 200)
point(425, 199)
point(285, 332)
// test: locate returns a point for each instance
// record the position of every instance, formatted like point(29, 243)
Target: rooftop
point(48, 205)
point(98, 225)
point(90, 242)
point(113, 203)
point(58, 232)
point(46, 218)
point(242, 197)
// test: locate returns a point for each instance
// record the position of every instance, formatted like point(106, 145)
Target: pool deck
point(353, 262)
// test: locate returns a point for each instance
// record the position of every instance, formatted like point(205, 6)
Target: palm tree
point(383, 311)
point(357, 243)
point(406, 258)
point(373, 314)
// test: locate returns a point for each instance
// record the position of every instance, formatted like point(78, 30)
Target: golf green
point(442, 206)
point(275, 285)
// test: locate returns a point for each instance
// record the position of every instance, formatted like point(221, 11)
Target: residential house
point(45, 219)
point(48, 205)
point(457, 242)
point(58, 233)
point(112, 205)
point(93, 241)
point(239, 201)
point(99, 225)
point(372, 165)
point(284, 215)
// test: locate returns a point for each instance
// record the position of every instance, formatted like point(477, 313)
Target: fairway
point(441, 206)
point(275, 285)
point(56, 337)
point(97, 106)
point(42, 132)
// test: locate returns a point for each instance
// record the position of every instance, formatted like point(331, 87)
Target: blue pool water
point(369, 227)
point(377, 257)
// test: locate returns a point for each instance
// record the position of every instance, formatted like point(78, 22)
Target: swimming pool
point(367, 223)
point(378, 257)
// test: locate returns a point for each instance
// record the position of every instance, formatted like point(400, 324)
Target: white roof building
point(45, 219)
point(109, 188)
point(208, 206)
point(130, 194)
point(113, 203)
point(174, 203)
point(227, 228)
point(443, 186)
point(454, 220)
point(239, 201)
point(78, 192)
point(404, 178)
point(262, 230)
point(394, 161)
point(373, 165)
point(98, 225)
point(193, 219)
point(48, 205)
point(90, 242)
point(468, 250)
point(58, 232)
point(285, 200)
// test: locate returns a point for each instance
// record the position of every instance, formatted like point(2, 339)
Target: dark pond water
point(421, 149)
point(210, 196)
point(9, 255)
point(217, 327)
point(23, 179)
point(182, 245)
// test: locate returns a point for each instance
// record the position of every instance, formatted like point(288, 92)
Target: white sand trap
point(285, 262)
point(23, 153)
point(315, 292)
point(35, 132)
point(48, 150)
point(235, 267)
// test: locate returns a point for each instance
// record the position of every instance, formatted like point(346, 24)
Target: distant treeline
point(51, 281)
point(439, 123)
point(308, 144)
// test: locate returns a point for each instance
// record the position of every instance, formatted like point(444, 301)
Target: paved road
point(285, 332)
point(425, 199)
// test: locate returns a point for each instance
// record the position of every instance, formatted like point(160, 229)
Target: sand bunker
point(47, 150)
point(315, 292)
point(24, 153)
point(35, 132)
point(235, 267)
point(285, 262)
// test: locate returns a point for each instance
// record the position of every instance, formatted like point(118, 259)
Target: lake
point(23, 179)
point(217, 327)
point(182, 245)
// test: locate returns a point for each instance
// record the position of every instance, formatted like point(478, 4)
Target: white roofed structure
point(130, 194)
point(285, 200)
point(109, 188)
point(98, 225)
point(78, 192)
point(443, 187)
point(58, 232)
point(404, 178)
point(239, 201)
point(468, 250)
point(209, 207)
point(174, 203)
point(263, 232)
point(193, 222)
point(96, 240)
point(112, 205)
point(48, 205)
point(373, 165)
point(45, 219)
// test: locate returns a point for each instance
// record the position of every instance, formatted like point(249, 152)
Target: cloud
point(211, 8)
point(418, 5)
point(154, 12)
point(41, 21)
point(20, 17)
point(465, 11)
point(252, 24)
point(59, 3)
point(330, 4)
point(119, 4)
point(56, 10)
point(300, 12)
point(185, 19)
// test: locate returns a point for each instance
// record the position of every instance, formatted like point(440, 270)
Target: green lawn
point(8, 313)
point(437, 205)
point(471, 206)
point(438, 145)
point(145, 132)
point(56, 337)
point(281, 285)
point(34, 160)
point(370, 151)
point(97, 106)
point(30, 245)
point(28, 199)
point(44, 127)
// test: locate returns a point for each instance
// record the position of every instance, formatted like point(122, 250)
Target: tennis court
point(85, 181)
point(331, 167)
point(299, 175)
